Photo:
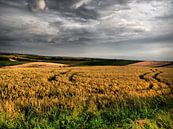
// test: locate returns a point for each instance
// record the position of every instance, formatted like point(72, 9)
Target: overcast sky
point(128, 29)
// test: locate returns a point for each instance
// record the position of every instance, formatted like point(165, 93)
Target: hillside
point(38, 65)
point(168, 64)
point(14, 59)
point(9, 59)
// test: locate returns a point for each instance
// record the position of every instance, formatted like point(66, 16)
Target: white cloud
point(80, 3)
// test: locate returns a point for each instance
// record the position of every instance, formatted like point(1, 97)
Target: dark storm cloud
point(95, 28)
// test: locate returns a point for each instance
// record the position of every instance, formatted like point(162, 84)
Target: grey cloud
point(111, 28)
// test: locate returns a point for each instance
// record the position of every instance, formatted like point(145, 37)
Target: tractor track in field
point(154, 76)
point(151, 77)
point(72, 77)
point(54, 77)
point(143, 77)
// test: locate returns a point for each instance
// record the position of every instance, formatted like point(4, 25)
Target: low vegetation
point(86, 98)
point(14, 59)
point(9, 63)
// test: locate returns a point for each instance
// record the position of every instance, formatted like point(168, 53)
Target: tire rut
point(155, 77)
point(143, 77)
point(71, 78)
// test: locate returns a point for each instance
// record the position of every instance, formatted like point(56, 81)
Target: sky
point(127, 29)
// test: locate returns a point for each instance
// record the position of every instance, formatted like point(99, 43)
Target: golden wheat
point(80, 86)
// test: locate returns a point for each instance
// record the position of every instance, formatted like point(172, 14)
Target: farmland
point(86, 97)
point(8, 59)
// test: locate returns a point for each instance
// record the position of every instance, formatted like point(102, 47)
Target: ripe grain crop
point(86, 97)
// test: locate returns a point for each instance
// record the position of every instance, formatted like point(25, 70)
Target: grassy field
point(71, 61)
point(107, 97)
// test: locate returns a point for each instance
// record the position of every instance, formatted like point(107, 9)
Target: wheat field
point(86, 97)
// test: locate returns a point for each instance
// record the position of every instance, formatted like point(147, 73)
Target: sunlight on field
point(88, 90)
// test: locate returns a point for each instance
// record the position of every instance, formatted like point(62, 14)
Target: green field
point(71, 61)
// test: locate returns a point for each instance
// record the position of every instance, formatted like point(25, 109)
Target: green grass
point(107, 62)
point(10, 63)
point(118, 116)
